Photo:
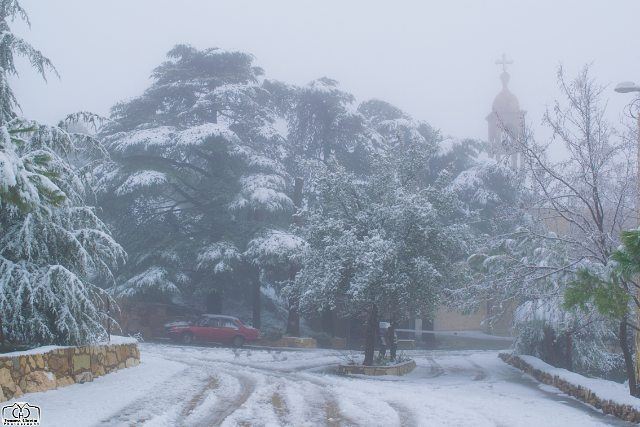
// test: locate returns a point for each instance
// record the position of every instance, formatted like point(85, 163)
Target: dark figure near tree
point(388, 339)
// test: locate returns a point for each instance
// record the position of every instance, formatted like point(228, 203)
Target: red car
point(213, 328)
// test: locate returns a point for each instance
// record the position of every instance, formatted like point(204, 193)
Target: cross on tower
point(504, 61)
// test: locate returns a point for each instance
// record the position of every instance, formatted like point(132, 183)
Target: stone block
point(39, 361)
point(7, 383)
point(59, 364)
point(65, 381)
point(123, 353)
point(98, 371)
point(112, 359)
point(83, 377)
point(39, 381)
point(81, 362)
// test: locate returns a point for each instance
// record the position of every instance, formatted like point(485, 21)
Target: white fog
point(337, 213)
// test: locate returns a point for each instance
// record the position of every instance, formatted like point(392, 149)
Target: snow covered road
point(201, 386)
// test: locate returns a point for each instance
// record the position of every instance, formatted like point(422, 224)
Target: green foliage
point(590, 290)
point(627, 256)
point(610, 296)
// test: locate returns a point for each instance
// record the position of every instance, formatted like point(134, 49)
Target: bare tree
point(588, 193)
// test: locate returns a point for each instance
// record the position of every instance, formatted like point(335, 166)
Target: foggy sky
point(434, 59)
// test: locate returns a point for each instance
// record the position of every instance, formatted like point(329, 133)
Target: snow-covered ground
point(175, 386)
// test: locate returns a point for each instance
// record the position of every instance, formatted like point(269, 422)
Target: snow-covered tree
point(323, 124)
point(386, 244)
point(53, 246)
point(196, 165)
point(278, 255)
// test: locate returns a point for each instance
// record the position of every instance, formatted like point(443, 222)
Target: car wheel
point(238, 341)
point(187, 338)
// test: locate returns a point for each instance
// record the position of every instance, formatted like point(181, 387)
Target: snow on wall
point(610, 397)
point(47, 368)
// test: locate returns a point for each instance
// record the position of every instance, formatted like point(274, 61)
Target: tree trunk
point(256, 305)
point(1, 333)
point(628, 357)
point(328, 325)
point(569, 351)
point(108, 322)
point(371, 335)
point(293, 320)
point(297, 200)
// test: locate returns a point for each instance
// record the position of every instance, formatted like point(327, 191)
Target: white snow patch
point(604, 389)
point(89, 403)
point(140, 180)
point(115, 339)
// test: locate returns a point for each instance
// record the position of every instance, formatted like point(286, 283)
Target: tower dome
point(505, 101)
point(506, 122)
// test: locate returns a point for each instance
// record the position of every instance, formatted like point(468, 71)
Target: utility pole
point(628, 87)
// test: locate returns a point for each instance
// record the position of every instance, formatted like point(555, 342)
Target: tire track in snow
point(164, 401)
point(407, 418)
point(481, 374)
point(315, 399)
point(227, 405)
point(199, 398)
point(280, 405)
point(332, 413)
point(435, 369)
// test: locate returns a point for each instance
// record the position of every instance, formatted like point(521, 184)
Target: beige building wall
point(449, 320)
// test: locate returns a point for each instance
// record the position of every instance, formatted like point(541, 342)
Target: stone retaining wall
point(59, 367)
point(399, 369)
point(622, 411)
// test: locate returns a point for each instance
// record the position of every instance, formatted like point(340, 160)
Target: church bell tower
point(506, 122)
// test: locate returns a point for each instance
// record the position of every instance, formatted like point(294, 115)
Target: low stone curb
point(399, 369)
point(61, 367)
point(622, 411)
point(291, 342)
